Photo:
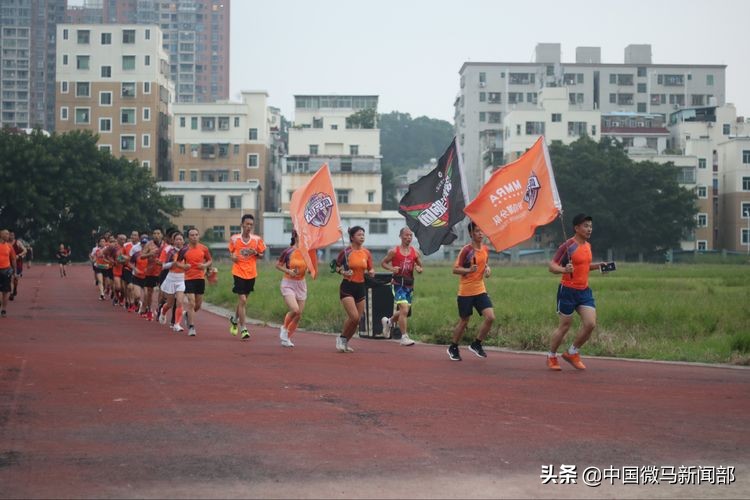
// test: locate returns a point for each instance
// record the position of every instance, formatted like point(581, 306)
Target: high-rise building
point(27, 62)
point(113, 79)
point(196, 37)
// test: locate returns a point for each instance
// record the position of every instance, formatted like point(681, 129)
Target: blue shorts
point(568, 299)
point(401, 294)
point(466, 304)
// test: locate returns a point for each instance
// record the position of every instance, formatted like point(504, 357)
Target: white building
point(639, 133)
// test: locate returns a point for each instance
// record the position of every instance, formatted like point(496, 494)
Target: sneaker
point(553, 363)
point(574, 359)
point(283, 335)
point(149, 316)
point(340, 344)
point(177, 328)
point(163, 319)
point(101, 297)
point(348, 347)
point(233, 329)
point(191, 332)
point(3, 313)
point(386, 327)
point(476, 348)
point(453, 353)
point(245, 334)
point(405, 340)
point(287, 343)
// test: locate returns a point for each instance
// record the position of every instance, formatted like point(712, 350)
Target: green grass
point(670, 312)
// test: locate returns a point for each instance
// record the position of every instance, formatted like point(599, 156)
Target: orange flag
point(517, 199)
point(315, 216)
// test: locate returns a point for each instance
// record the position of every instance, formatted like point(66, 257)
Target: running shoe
point(163, 319)
point(283, 335)
point(191, 332)
point(3, 313)
point(553, 363)
point(245, 334)
point(101, 297)
point(405, 340)
point(287, 343)
point(453, 353)
point(386, 322)
point(150, 316)
point(177, 328)
point(233, 329)
point(476, 348)
point(340, 344)
point(575, 360)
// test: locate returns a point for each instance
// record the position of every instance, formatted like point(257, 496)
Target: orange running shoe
point(575, 360)
point(553, 364)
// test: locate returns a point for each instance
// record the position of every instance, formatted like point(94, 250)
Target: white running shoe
point(405, 340)
point(163, 319)
point(191, 331)
point(287, 343)
point(283, 335)
point(178, 328)
point(340, 344)
point(386, 322)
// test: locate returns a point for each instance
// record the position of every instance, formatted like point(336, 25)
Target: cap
point(580, 219)
point(144, 241)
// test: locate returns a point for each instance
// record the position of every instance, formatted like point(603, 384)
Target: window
point(494, 117)
point(641, 107)
point(709, 80)
point(702, 220)
point(342, 196)
point(313, 149)
point(84, 36)
point(317, 123)
point(65, 34)
point(82, 62)
point(146, 164)
point(378, 226)
point(146, 140)
point(746, 183)
point(236, 175)
point(696, 99)
point(657, 99)
point(193, 176)
point(252, 161)
point(147, 36)
point(105, 147)
point(105, 98)
point(534, 128)
point(106, 71)
point(128, 89)
point(556, 117)
point(482, 116)
point(726, 129)
point(128, 36)
point(83, 115)
point(105, 125)
point(194, 123)
point(65, 59)
point(147, 60)
point(746, 156)
point(495, 98)
point(521, 78)
point(64, 113)
point(518, 129)
point(182, 122)
point(701, 192)
point(354, 149)
point(641, 71)
point(182, 151)
point(235, 202)
point(482, 77)
point(371, 197)
point(238, 229)
point(702, 245)
point(106, 38)
point(83, 89)
point(346, 164)
point(223, 122)
point(641, 88)
point(146, 87)
point(701, 163)
point(127, 116)
point(208, 201)
point(236, 149)
point(576, 128)
point(127, 143)
point(515, 97)
point(63, 87)
point(218, 231)
point(482, 96)
point(208, 123)
point(575, 98)
point(146, 114)
point(625, 99)
point(745, 210)
point(652, 142)
point(288, 226)
point(531, 97)
point(128, 63)
point(253, 135)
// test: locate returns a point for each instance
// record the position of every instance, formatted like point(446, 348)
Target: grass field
point(667, 312)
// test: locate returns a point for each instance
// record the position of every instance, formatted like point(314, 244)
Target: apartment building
point(27, 62)
point(494, 89)
point(113, 80)
point(196, 35)
point(222, 161)
point(639, 133)
point(325, 131)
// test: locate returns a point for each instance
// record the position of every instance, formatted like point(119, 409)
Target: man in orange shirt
point(7, 268)
point(244, 249)
point(471, 266)
point(573, 261)
point(199, 258)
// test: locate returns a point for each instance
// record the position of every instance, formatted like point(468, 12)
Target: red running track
point(95, 402)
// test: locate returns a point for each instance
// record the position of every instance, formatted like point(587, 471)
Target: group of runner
point(158, 276)
point(13, 253)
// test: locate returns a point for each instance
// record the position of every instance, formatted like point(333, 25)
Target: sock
point(453, 344)
point(572, 349)
point(551, 354)
point(287, 320)
point(292, 327)
point(178, 316)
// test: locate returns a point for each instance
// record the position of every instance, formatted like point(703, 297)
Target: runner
point(471, 266)
point(173, 285)
point(293, 287)
point(20, 250)
point(199, 258)
point(63, 259)
point(101, 265)
point(151, 252)
point(352, 263)
point(117, 259)
point(127, 271)
point(139, 275)
point(244, 249)
point(7, 269)
point(402, 261)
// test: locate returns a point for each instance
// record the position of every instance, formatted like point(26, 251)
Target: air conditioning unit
point(482, 84)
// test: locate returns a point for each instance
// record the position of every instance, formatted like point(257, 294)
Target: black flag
point(435, 203)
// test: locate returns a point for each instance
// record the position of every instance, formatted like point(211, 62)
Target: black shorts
point(141, 282)
point(151, 282)
point(127, 275)
point(466, 304)
point(196, 286)
point(243, 286)
point(5, 279)
point(357, 291)
point(107, 273)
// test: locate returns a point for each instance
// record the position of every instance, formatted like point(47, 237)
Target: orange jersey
point(246, 265)
point(472, 283)
point(358, 261)
point(154, 263)
point(126, 252)
point(100, 259)
point(6, 255)
point(173, 255)
point(292, 258)
point(580, 256)
point(195, 257)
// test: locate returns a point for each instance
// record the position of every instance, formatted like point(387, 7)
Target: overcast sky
point(409, 52)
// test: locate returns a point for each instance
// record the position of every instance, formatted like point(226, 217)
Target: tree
point(61, 188)
point(638, 207)
point(364, 118)
point(409, 143)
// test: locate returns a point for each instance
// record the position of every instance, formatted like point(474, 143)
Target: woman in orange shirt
point(174, 283)
point(293, 287)
point(352, 263)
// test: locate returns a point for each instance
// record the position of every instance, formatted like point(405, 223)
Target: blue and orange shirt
point(292, 258)
point(359, 261)
point(472, 283)
point(579, 254)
